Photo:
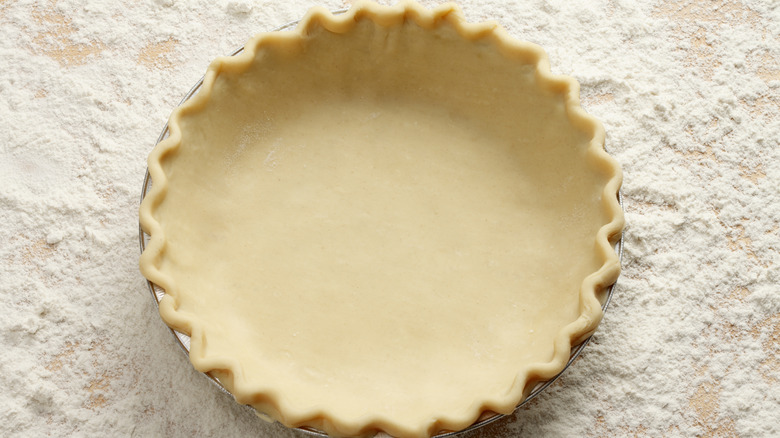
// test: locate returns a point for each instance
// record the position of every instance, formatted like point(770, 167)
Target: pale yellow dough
point(382, 226)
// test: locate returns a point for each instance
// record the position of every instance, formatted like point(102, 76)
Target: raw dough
point(382, 226)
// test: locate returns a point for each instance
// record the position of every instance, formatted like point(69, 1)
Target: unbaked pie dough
point(387, 220)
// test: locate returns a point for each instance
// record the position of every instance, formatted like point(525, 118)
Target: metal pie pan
point(184, 340)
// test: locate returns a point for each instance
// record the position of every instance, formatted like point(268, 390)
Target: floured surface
point(689, 344)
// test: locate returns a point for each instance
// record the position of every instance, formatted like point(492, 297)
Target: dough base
point(368, 230)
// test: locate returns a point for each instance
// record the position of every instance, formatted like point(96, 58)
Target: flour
point(687, 91)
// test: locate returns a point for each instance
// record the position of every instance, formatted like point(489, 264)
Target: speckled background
point(688, 93)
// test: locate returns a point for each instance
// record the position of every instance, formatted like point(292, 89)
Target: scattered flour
point(689, 92)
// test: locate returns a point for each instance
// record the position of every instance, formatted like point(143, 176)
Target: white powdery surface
point(689, 92)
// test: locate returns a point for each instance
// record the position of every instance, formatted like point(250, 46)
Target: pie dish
point(386, 220)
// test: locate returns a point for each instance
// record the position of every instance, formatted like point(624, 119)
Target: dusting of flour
point(689, 92)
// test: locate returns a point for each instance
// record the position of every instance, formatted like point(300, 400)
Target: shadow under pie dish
point(384, 220)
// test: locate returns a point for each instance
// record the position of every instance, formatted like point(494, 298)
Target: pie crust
point(386, 220)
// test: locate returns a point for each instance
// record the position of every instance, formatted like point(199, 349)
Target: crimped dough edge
point(228, 371)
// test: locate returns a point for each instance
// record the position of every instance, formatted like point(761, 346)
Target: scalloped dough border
point(229, 372)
